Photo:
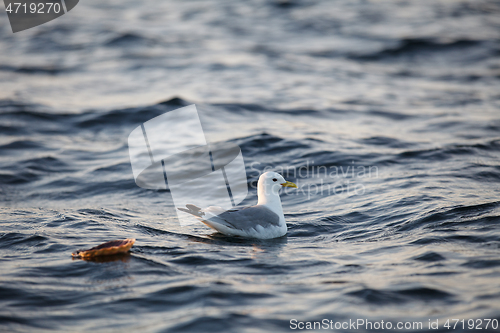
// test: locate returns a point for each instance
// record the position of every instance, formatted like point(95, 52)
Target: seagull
point(263, 221)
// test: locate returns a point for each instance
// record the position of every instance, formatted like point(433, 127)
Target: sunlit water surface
point(386, 115)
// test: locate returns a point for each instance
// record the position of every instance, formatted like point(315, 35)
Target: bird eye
point(275, 180)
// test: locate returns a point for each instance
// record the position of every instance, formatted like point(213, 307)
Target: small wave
point(130, 39)
point(386, 297)
point(18, 178)
point(459, 216)
point(21, 144)
point(46, 164)
point(429, 257)
point(482, 264)
point(242, 108)
point(33, 70)
point(19, 241)
point(386, 141)
point(310, 228)
point(390, 115)
point(446, 152)
point(267, 144)
point(412, 46)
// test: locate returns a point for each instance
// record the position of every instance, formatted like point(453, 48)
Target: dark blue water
point(386, 115)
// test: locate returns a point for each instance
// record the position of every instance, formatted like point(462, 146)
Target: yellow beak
point(289, 184)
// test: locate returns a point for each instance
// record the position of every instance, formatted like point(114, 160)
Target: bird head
point(272, 182)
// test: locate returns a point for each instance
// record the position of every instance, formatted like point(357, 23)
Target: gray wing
point(248, 217)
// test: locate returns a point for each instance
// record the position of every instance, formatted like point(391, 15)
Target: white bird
point(264, 220)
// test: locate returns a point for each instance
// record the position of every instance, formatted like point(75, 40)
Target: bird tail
point(193, 210)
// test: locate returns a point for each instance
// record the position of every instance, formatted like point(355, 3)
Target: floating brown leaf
point(106, 249)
